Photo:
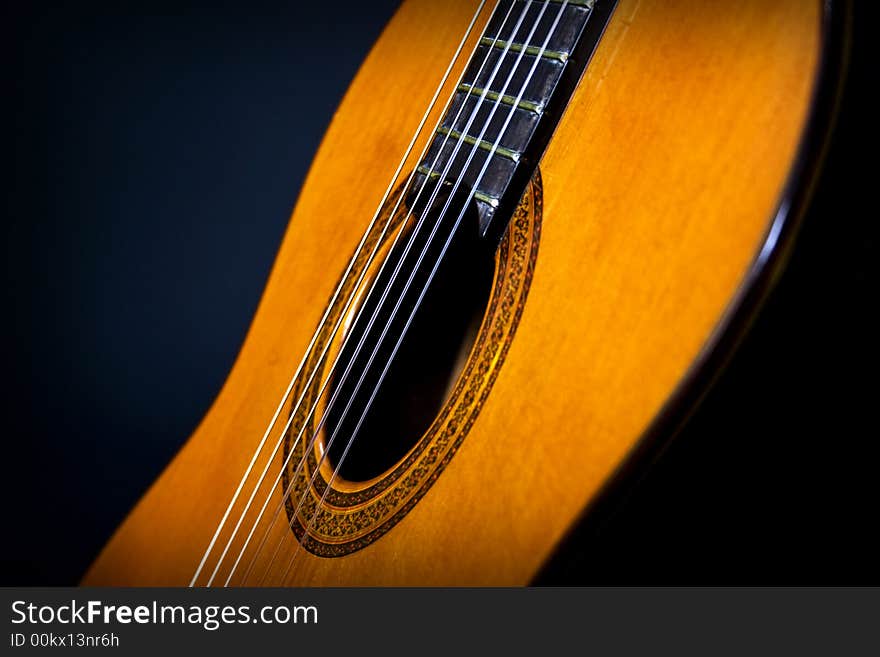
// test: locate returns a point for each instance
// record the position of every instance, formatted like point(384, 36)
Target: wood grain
point(659, 186)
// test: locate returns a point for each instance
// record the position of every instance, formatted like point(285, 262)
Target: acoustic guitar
point(531, 235)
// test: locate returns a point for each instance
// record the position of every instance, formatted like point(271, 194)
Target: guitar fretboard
point(510, 91)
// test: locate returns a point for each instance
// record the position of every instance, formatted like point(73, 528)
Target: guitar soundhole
point(428, 361)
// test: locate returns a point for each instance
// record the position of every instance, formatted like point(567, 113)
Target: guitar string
point(427, 284)
point(338, 323)
point(358, 250)
point(333, 366)
point(370, 324)
point(433, 270)
point(310, 378)
point(297, 404)
point(360, 345)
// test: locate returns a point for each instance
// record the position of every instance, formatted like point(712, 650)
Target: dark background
point(154, 153)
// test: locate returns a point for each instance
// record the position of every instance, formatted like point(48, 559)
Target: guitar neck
point(510, 99)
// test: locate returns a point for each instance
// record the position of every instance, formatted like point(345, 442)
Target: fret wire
point(527, 105)
point(480, 143)
point(588, 4)
point(534, 51)
point(480, 196)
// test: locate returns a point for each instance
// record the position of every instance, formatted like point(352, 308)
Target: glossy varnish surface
point(659, 186)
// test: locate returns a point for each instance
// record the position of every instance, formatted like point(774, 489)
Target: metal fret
point(587, 4)
point(534, 51)
point(485, 145)
point(482, 197)
point(494, 96)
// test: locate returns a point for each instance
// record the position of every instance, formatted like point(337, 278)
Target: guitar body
point(631, 250)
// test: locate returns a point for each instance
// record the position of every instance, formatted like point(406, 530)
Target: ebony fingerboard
point(510, 98)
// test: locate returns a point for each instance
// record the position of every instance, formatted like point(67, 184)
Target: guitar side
point(659, 187)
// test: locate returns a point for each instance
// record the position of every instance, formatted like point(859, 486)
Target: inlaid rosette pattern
point(355, 514)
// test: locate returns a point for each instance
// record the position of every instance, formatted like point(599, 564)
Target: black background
point(154, 153)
